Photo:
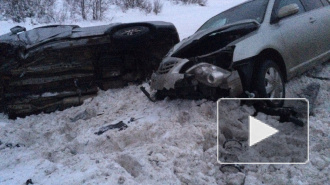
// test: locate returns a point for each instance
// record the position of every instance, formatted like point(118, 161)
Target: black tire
point(270, 83)
point(129, 33)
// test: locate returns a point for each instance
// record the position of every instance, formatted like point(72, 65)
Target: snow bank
point(170, 142)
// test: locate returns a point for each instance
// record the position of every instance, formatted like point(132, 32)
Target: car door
point(319, 17)
point(297, 35)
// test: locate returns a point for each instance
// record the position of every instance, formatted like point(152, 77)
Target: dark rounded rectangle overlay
point(289, 144)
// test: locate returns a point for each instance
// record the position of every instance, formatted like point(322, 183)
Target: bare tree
point(83, 12)
point(143, 5)
point(98, 8)
point(157, 7)
point(95, 8)
point(18, 10)
point(200, 2)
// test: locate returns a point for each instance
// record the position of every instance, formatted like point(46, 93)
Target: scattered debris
point(20, 145)
point(287, 114)
point(121, 180)
point(120, 125)
point(29, 181)
point(230, 168)
point(134, 119)
point(250, 94)
point(11, 145)
point(145, 92)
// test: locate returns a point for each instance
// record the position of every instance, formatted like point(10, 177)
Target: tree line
point(46, 11)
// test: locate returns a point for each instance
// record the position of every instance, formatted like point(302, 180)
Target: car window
point(312, 4)
point(288, 2)
point(250, 10)
point(326, 2)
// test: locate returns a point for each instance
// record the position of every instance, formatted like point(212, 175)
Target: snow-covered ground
point(167, 142)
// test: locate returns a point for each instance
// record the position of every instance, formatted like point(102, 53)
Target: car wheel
point(131, 33)
point(270, 83)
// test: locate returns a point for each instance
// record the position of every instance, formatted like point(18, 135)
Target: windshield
point(250, 10)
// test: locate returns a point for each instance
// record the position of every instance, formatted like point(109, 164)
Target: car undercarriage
point(55, 67)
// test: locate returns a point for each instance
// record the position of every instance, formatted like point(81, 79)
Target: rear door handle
point(312, 20)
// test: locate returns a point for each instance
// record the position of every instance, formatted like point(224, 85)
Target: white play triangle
point(259, 131)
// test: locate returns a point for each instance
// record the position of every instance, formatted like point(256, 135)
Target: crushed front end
point(194, 79)
point(202, 66)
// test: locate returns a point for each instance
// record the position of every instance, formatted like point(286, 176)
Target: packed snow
point(167, 142)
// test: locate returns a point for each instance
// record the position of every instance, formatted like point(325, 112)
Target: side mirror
point(17, 29)
point(288, 10)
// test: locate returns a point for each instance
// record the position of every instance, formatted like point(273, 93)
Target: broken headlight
point(209, 74)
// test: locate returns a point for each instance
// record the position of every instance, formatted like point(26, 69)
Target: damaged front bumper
point(173, 75)
point(168, 73)
point(165, 81)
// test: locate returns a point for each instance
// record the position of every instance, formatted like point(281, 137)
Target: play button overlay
point(252, 132)
point(259, 131)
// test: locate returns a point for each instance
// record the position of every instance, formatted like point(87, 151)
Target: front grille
point(166, 67)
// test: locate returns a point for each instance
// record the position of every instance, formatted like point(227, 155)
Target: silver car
point(253, 48)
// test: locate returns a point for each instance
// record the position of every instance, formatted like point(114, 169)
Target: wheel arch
point(273, 54)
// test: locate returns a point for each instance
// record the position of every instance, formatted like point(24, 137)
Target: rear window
point(312, 4)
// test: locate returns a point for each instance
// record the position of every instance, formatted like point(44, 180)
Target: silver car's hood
point(200, 34)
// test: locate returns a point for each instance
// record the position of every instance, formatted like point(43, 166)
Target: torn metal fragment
point(120, 126)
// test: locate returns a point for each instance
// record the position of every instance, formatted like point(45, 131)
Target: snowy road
point(170, 141)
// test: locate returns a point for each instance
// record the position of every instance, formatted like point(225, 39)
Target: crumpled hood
point(200, 34)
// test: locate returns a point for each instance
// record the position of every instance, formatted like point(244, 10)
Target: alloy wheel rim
point(273, 84)
point(131, 32)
